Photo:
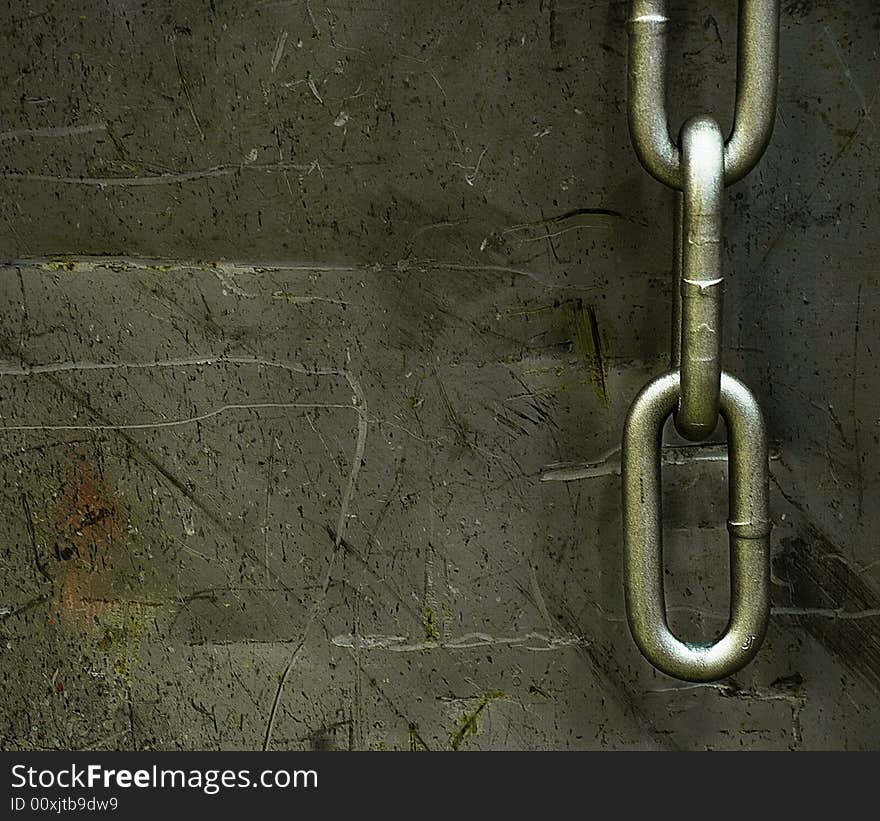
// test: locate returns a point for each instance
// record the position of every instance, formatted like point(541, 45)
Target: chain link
point(755, 110)
point(702, 287)
point(696, 391)
point(748, 526)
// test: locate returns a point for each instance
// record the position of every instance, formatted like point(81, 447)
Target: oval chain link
point(748, 525)
point(755, 107)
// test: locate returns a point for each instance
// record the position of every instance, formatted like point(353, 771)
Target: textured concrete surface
point(319, 324)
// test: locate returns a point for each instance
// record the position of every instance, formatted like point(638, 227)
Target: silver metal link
point(755, 111)
point(748, 526)
point(702, 286)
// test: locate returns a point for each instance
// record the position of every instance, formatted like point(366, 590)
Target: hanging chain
point(696, 391)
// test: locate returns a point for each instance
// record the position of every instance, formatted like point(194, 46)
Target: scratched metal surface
point(314, 313)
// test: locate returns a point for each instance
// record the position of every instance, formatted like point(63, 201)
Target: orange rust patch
point(86, 514)
point(79, 595)
point(89, 531)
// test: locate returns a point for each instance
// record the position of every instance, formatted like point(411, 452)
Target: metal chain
point(696, 391)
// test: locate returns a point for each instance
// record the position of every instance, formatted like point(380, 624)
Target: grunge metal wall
point(319, 324)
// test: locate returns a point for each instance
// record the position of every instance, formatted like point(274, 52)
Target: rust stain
point(468, 725)
point(431, 625)
point(62, 265)
point(588, 341)
point(89, 531)
point(86, 514)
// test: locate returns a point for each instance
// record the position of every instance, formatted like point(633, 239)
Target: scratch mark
point(230, 285)
point(598, 357)
point(296, 299)
point(360, 402)
point(416, 742)
point(62, 367)
point(608, 464)
point(186, 93)
point(472, 170)
point(778, 240)
point(554, 40)
point(450, 410)
point(310, 81)
point(841, 59)
point(568, 215)
point(129, 264)
point(857, 427)
point(107, 182)
point(316, 32)
point(279, 50)
point(535, 642)
point(33, 538)
point(827, 612)
point(589, 341)
point(440, 265)
point(317, 431)
point(189, 420)
point(538, 596)
point(548, 236)
point(472, 177)
point(469, 723)
point(228, 170)
point(730, 691)
point(266, 516)
point(8, 611)
point(437, 83)
point(382, 579)
point(392, 705)
point(839, 608)
point(58, 131)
